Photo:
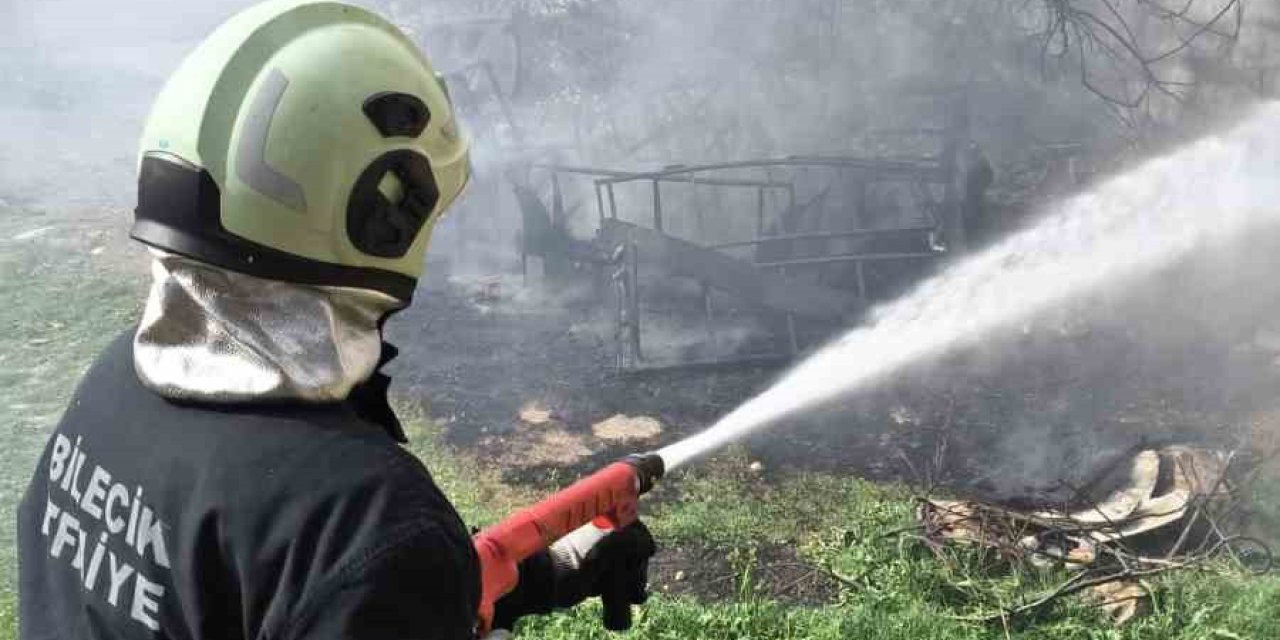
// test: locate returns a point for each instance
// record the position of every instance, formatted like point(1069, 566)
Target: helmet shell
point(294, 111)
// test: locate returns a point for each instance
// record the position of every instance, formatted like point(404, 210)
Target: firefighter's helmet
point(305, 141)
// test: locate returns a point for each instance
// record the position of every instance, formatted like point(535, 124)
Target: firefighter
point(231, 468)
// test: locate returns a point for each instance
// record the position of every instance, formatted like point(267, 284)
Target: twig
point(898, 530)
point(1073, 29)
point(1079, 583)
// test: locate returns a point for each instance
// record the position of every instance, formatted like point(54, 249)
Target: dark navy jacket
point(151, 519)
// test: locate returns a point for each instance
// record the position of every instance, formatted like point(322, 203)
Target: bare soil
point(708, 573)
point(479, 360)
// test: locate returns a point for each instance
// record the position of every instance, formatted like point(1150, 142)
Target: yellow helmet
point(305, 141)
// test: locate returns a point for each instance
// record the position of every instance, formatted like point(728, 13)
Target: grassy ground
point(892, 587)
point(60, 302)
point(62, 298)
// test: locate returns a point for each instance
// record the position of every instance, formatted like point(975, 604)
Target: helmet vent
point(397, 114)
point(390, 203)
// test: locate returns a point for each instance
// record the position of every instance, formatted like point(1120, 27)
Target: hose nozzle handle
point(649, 469)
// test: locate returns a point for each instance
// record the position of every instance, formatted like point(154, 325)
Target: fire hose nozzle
point(608, 498)
point(649, 470)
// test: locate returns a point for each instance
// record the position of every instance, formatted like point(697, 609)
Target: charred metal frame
point(625, 256)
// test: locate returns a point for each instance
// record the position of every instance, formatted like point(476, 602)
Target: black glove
point(585, 563)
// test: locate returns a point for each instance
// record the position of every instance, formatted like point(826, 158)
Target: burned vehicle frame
point(807, 259)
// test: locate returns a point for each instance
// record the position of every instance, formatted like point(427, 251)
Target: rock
point(622, 428)
point(679, 576)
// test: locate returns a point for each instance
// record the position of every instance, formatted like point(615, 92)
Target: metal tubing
point(599, 202)
point(633, 276)
point(612, 173)
point(793, 340)
point(759, 213)
point(761, 360)
point(932, 169)
point(791, 334)
point(822, 236)
point(710, 314)
point(699, 216)
point(621, 321)
point(657, 206)
point(867, 257)
point(503, 104)
point(557, 202)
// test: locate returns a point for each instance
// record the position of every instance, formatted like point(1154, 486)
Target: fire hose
point(607, 499)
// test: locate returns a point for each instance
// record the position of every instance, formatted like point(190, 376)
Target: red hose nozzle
point(608, 497)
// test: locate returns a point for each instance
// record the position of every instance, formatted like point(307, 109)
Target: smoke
point(76, 81)
point(637, 85)
point(633, 84)
point(613, 83)
point(625, 84)
point(1180, 219)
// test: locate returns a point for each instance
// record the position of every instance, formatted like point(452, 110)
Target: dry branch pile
point(1160, 510)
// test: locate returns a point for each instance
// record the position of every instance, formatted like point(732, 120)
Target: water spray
point(1211, 191)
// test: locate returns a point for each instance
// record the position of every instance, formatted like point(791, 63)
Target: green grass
point(474, 488)
point(723, 503)
point(1264, 500)
point(8, 616)
point(671, 618)
point(59, 306)
point(895, 587)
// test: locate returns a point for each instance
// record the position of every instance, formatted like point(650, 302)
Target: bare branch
point(1101, 32)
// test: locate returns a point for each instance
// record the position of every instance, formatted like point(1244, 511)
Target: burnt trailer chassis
point(783, 271)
